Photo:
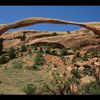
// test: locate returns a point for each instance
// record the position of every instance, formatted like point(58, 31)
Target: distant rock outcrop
point(39, 20)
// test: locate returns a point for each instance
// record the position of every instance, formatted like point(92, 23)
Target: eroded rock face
point(39, 20)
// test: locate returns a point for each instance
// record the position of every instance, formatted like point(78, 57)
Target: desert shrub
point(3, 59)
point(73, 80)
point(64, 85)
point(54, 34)
point(12, 52)
point(74, 59)
point(29, 67)
point(48, 50)
point(87, 70)
point(30, 89)
point(36, 67)
point(85, 57)
point(98, 43)
point(23, 48)
point(97, 36)
point(38, 61)
point(76, 73)
point(63, 58)
point(63, 52)
point(95, 52)
point(53, 52)
point(61, 85)
point(55, 45)
point(17, 49)
point(75, 48)
point(41, 50)
point(17, 64)
point(44, 90)
point(34, 48)
point(90, 88)
point(77, 54)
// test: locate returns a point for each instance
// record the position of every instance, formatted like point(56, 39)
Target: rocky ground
point(62, 52)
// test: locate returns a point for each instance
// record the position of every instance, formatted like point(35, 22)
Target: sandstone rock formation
point(39, 20)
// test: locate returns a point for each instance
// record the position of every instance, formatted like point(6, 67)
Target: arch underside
point(39, 20)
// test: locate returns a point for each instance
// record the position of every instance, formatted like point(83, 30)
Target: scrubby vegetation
point(63, 52)
point(12, 52)
point(62, 83)
point(18, 64)
point(87, 70)
point(73, 86)
point(90, 88)
point(38, 61)
point(30, 89)
point(23, 48)
point(3, 59)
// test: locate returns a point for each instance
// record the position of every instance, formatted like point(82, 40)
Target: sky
point(9, 14)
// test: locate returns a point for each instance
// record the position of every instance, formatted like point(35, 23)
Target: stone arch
point(39, 20)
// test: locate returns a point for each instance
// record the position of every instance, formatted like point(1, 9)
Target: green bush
point(54, 34)
point(95, 52)
point(12, 52)
point(39, 60)
point(63, 52)
point(98, 43)
point(30, 89)
point(23, 48)
point(75, 48)
point(87, 70)
point(74, 59)
point(97, 36)
point(85, 57)
point(73, 80)
point(48, 50)
point(3, 59)
point(63, 58)
point(76, 73)
point(36, 67)
point(53, 52)
point(17, 64)
point(77, 54)
point(90, 88)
